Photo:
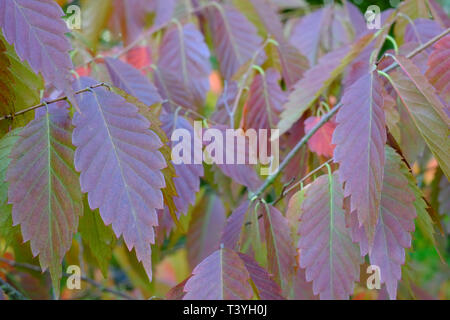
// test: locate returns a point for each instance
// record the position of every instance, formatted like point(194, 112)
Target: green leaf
point(425, 109)
point(6, 226)
point(97, 236)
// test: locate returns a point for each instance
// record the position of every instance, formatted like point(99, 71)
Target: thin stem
point(294, 151)
point(419, 49)
point(42, 104)
point(83, 278)
point(270, 180)
point(10, 291)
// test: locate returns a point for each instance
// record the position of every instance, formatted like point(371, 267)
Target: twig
point(83, 278)
point(269, 181)
point(42, 104)
point(419, 49)
point(10, 291)
point(288, 189)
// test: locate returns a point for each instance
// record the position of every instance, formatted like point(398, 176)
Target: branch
point(269, 181)
point(83, 278)
point(42, 104)
point(10, 291)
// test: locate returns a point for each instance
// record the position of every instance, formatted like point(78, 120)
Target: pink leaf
point(327, 253)
point(235, 38)
point(359, 137)
point(38, 34)
point(221, 276)
point(320, 142)
point(129, 79)
point(44, 189)
point(117, 155)
point(396, 222)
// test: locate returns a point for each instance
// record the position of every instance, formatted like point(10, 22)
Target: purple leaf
point(394, 227)
point(243, 174)
point(207, 222)
point(422, 31)
point(132, 81)
point(221, 276)
point(44, 189)
point(187, 180)
point(235, 38)
point(231, 236)
point(264, 102)
point(438, 72)
point(185, 56)
point(317, 79)
point(38, 34)
point(267, 288)
point(120, 166)
point(425, 108)
point(359, 137)
point(307, 33)
point(280, 247)
point(327, 253)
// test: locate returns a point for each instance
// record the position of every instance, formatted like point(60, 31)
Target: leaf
point(224, 275)
point(413, 9)
point(307, 33)
point(392, 115)
point(94, 19)
point(264, 102)
point(207, 222)
point(99, 238)
point(317, 79)
point(129, 79)
point(6, 83)
point(280, 247)
point(235, 38)
point(130, 18)
point(120, 166)
point(151, 114)
point(293, 63)
point(320, 142)
point(26, 89)
point(327, 253)
point(444, 196)
point(177, 293)
point(267, 288)
point(396, 222)
point(38, 34)
point(262, 13)
point(6, 144)
point(243, 174)
point(187, 179)
point(231, 236)
point(425, 109)
point(439, 13)
point(422, 31)
point(44, 189)
point(438, 72)
point(140, 58)
point(184, 54)
point(360, 137)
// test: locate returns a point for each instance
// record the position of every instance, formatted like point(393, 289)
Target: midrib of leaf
point(35, 35)
point(266, 98)
point(330, 244)
point(182, 53)
point(424, 93)
point(229, 32)
point(274, 241)
point(221, 272)
point(119, 163)
point(206, 223)
point(369, 168)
